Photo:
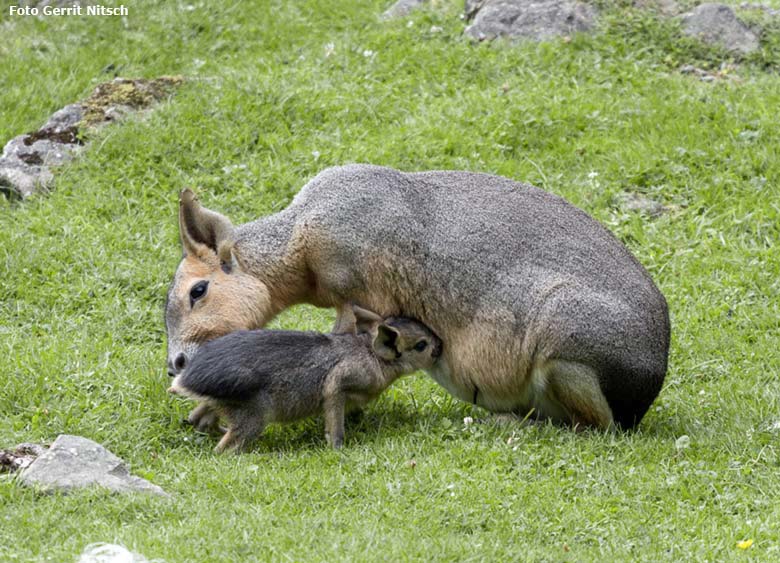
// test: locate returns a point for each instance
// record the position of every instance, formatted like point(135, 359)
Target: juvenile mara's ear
point(200, 227)
point(365, 320)
point(386, 343)
point(346, 323)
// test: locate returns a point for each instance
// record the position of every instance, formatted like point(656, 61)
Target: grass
point(281, 90)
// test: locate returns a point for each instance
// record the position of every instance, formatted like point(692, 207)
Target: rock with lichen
point(27, 160)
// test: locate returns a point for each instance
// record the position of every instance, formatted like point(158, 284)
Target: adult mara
point(538, 306)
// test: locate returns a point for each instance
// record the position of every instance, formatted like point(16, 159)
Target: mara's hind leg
point(576, 388)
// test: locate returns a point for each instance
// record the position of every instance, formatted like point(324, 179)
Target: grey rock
point(472, 7)
point(73, 462)
point(25, 162)
point(23, 180)
point(44, 152)
point(402, 8)
point(716, 24)
point(537, 20)
point(66, 118)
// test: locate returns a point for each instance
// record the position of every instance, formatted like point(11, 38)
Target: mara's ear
point(386, 343)
point(365, 320)
point(199, 227)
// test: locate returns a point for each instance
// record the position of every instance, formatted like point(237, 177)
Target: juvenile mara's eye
point(198, 290)
point(421, 345)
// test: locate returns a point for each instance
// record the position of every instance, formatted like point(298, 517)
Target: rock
point(73, 462)
point(402, 8)
point(537, 20)
point(23, 180)
point(26, 160)
point(716, 24)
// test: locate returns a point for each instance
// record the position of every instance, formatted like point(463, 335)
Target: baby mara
point(253, 378)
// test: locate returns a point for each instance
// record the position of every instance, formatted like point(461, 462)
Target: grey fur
point(254, 378)
point(534, 300)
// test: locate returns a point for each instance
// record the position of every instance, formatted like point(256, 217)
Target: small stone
point(111, 553)
point(73, 462)
point(536, 20)
point(716, 24)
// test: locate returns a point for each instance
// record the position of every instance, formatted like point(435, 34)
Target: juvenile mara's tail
point(225, 368)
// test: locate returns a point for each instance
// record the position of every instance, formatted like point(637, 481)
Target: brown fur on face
point(232, 302)
point(233, 299)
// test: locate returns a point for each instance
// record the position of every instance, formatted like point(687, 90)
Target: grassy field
point(280, 90)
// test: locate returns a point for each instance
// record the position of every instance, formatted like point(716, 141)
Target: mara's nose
point(176, 366)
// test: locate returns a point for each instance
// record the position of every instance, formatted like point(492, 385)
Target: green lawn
point(280, 90)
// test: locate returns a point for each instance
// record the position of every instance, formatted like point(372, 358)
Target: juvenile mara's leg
point(205, 419)
point(334, 418)
point(246, 424)
point(334, 398)
point(576, 387)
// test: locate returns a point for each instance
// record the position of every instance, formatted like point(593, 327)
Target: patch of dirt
point(68, 136)
point(33, 159)
point(20, 457)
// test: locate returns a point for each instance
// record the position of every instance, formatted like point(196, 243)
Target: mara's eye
point(198, 290)
point(421, 345)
